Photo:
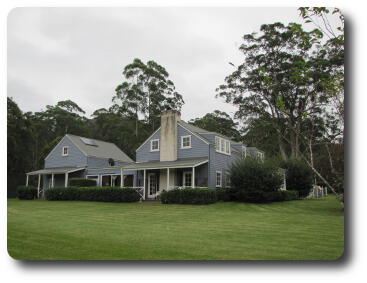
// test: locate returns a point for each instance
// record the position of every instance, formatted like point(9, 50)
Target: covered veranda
point(155, 176)
point(63, 171)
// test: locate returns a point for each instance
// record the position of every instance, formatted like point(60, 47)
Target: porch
point(156, 176)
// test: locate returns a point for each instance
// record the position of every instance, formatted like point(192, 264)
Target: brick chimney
point(168, 141)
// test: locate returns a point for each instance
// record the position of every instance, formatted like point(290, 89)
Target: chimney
point(168, 141)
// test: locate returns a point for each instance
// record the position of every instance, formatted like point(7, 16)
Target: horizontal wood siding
point(74, 158)
point(198, 147)
point(144, 153)
point(219, 162)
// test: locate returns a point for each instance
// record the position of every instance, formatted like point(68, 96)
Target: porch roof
point(56, 170)
point(179, 163)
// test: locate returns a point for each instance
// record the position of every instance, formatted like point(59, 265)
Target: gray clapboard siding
point(144, 153)
point(74, 158)
point(198, 147)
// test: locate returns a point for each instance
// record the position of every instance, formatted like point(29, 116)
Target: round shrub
point(26, 192)
point(299, 177)
point(81, 182)
point(189, 196)
point(251, 178)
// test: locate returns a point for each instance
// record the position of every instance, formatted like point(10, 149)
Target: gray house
point(176, 155)
point(181, 155)
point(79, 157)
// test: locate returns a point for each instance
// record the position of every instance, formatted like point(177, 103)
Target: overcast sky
point(79, 53)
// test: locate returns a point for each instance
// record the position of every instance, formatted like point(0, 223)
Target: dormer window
point(65, 151)
point(185, 142)
point(222, 145)
point(154, 145)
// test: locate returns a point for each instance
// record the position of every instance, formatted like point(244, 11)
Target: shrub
point(26, 192)
point(189, 196)
point(251, 178)
point(299, 177)
point(265, 197)
point(81, 182)
point(103, 194)
point(222, 194)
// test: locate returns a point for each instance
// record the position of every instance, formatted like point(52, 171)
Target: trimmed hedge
point(103, 194)
point(26, 192)
point(81, 182)
point(223, 194)
point(265, 197)
point(189, 196)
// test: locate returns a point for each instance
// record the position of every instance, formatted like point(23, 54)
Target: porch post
point(26, 182)
point(193, 178)
point(39, 185)
point(167, 179)
point(121, 179)
point(52, 180)
point(144, 184)
point(66, 179)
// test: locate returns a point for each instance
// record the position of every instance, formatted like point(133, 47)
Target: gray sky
point(79, 53)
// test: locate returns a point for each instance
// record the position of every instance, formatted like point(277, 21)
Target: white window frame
point(151, 145)
point(182, 145)
point(183, 179)
point(216, 179)
point(63, 151)
point(222, 143)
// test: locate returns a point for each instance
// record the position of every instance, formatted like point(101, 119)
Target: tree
point(146, 90)
point(219, 122)
point(19, 142)
point(278, 81)
point(285, 80)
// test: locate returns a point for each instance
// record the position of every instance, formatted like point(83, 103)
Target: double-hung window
point(65, 151)
point(185, 142)
point(154, 145)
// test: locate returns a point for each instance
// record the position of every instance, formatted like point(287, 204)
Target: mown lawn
point(296, 230)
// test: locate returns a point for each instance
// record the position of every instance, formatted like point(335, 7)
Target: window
point(187, 181)
point(222, 145)
point(154, 145)
point(218, 179)
point(65, 151)
point(186, 142)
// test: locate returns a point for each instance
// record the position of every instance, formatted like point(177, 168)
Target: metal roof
point(179, 163)
point(56, 170)
point(101, 149)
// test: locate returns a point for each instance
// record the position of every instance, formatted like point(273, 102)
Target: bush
point(222, 194)
point(299, 177)
point(81, 182)
point(26, 192)
point(265, 197)
point(189, 196)
point(251, 179)
point(103, 194)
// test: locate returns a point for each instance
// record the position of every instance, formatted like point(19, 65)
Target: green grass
point(295, 230)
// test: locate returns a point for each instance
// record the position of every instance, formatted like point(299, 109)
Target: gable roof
point(101, 150)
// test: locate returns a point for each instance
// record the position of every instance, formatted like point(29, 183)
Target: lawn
point(295, 230)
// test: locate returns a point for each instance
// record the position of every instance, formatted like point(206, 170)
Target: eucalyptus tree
point(220, 122)
point(284, 79)
point(146, 91)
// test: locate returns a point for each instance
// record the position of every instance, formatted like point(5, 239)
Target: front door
point(152, 185)
point(187, 181)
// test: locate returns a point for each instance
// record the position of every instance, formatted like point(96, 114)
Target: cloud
point(79, 53)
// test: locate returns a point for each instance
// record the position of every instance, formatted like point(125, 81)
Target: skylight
point(88, 141)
